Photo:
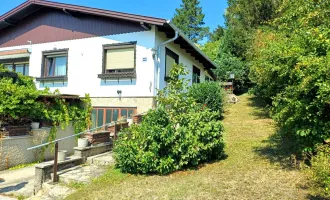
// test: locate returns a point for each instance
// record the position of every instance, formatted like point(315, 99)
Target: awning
point(13, 54)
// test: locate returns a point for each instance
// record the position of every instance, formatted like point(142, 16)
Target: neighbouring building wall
point(184, 58)
point(13, 151)
point(85, 63)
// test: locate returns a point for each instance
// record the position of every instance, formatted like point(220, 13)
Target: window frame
point(112, 113)
point(194, 72)
point(176, 57)
point(43, 63)
point(14, 64)
point(125, 45)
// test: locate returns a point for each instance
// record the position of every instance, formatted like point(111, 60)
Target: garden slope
point(254, 168)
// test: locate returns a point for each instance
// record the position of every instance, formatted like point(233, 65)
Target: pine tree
point(190, 19)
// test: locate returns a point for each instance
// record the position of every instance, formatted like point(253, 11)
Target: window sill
point(118, 75)
point(53, 78)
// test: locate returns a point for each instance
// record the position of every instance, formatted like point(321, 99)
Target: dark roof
point(30, 6)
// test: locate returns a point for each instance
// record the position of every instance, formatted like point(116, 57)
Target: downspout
point(159, 54)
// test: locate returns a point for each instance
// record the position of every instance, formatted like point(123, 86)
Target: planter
point(35, 125)
point(82, 142)
point(62, 155)
point(98, 137)
point(17, 130)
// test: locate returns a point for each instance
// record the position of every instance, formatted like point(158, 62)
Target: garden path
point(17, 182)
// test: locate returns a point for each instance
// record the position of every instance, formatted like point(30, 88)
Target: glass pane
point(108, 116)
point(115, 114)
point(123, 113)
point(19, 69)
point(100, 117)
point(130, 113)
point(60, 69)
point(50, 63)
point(169, 63)
point(94, 118)
point(26, 72)
point(9, 67)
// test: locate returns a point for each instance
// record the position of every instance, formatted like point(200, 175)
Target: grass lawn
point(256, 168)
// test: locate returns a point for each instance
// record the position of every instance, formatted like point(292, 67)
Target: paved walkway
point(17, 182)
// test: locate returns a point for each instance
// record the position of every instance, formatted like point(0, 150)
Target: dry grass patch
point(254, 168)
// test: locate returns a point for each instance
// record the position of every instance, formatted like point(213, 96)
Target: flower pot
point(82, 142)
point(35, 125)
point(130, 122)
point(61, 155)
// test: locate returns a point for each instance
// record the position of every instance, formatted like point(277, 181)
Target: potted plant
point(36, 117)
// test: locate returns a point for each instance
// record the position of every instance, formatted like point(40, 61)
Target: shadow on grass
point(312, 197)
point(276, 148)
point(261, 108)
point(279, 150)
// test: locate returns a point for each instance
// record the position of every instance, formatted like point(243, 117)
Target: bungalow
point(120, 59)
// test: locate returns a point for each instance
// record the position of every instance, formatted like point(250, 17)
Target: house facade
point(120, 59)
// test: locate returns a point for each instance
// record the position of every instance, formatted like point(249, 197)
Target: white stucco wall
point(85, 63)
point(184, 58)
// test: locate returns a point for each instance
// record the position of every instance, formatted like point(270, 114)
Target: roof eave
point(214, 66)
point(87, 10)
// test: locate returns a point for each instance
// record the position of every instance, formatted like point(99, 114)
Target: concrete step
point(105, 159)
point(81, 174)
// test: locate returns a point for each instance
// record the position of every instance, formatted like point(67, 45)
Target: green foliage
point(179, 134)
point(190, 19)
point(209, 94)
point(217, 34)
point(321, 170)
point(290, 66)
point(243, 17)
point(19, 105)
point(17, 99)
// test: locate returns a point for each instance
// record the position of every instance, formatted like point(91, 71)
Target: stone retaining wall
point(13, 150)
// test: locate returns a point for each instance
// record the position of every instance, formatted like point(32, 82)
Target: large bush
point(209, 94)
point(17, 98)
point(290, 66)
point(179, 134)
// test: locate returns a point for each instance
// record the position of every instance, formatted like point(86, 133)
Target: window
point(171, 58)
point(101, 116)
point(22, 68)
point(55, 63)
point(119, 60)
point(196, 75)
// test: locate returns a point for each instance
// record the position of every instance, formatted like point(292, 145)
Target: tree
point(190, 19)
point(217, 34)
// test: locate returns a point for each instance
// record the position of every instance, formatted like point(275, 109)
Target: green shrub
point(290, 67)
point(179, 134)
point(321, 170)
point(210, 94)
point(17, 99)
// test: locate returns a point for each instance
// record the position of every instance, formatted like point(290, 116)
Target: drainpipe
point(159, 54)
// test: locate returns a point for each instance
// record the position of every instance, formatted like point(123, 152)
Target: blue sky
point(213, 9)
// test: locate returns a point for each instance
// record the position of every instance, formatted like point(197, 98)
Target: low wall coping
point(17, 137)
point(92, 147)
point(51, 163)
